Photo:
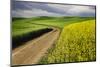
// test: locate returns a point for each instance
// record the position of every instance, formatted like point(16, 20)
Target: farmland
point(23, 31)
point(76, 44)
point(52, 33)
point(21, 26)
point(59, 22)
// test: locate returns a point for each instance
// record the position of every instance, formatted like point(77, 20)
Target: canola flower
point(76, 43)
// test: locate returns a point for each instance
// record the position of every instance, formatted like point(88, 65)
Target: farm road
point(32, 51)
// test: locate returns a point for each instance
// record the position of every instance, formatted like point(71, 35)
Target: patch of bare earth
point(32, 51)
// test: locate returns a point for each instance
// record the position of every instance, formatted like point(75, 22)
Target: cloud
point(30, 9)
point(77, 10)
point(32, 13)
point(17, 5)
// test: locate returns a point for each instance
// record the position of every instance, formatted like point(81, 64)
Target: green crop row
point(23, 30)
point(59, 21)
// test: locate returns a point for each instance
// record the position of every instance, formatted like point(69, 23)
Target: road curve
point(32, 51)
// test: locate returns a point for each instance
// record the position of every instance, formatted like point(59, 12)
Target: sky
point(33, 9)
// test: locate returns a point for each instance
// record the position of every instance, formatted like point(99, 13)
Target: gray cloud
point(30, 9)
point(36, 12)
point(17, 5)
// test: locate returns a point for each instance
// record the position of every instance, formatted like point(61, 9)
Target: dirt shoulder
point(32, 51)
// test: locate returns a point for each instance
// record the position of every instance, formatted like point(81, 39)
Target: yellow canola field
point(76, 43)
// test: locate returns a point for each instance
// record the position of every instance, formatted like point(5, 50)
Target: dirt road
point(32, 51)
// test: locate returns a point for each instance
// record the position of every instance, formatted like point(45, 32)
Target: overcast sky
point(31, 9)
